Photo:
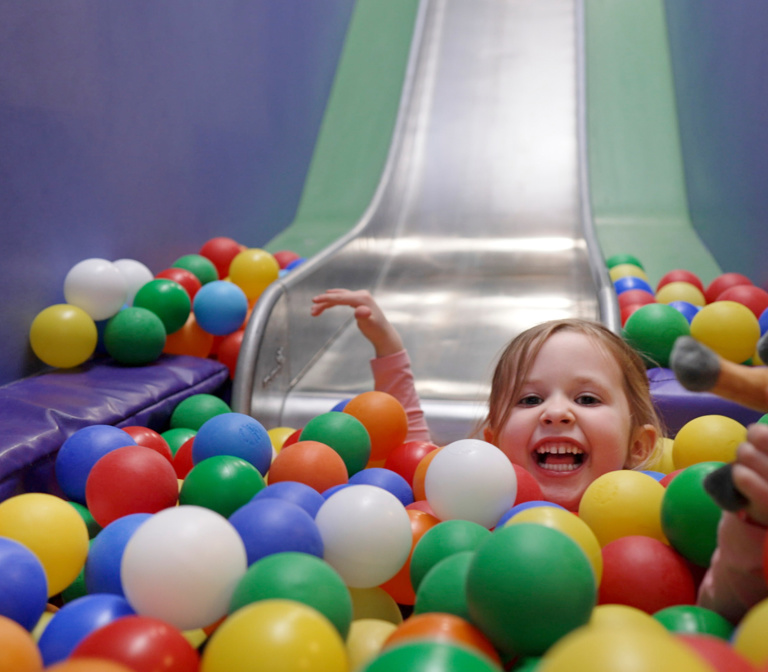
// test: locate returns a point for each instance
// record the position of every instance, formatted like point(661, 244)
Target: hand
point(750, 472)
point(371, 321)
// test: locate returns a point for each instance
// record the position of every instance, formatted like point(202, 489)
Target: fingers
point(750, 471)
point(339, 297)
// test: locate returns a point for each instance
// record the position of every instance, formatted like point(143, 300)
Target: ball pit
point(728, 328)
point(97, 286)
point(233, 434)
point(63, 336)
point(708, 438)
point(220, 251)
point(443, 588)
point(166, 299)
point(201, 267)
point(183, 277)
point(345, 434)
point(222, 483)
point(220, 307)
point(23, 584)
point(653, 329)
point(135, 336)
point(383, 417)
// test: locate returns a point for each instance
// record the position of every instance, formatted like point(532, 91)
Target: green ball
point(90, 523)
point(222, 483)
point(763, 420)
point(444, 588)
point(76, 589)
point(529, 585)
point(618, 259)
point(168, 300)
point(345, 434)
point(135, 336)
point(176, 438)
point(201, 267)
point(442, 541)
point(194, 411)
point(527, 664)
point(692, 619)
point(430, 656)
point(300, 577)
point(689, 516)
point(653, 329)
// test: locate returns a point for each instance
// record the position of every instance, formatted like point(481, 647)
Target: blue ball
point(522, 507)
point(334, 489)
point(295, 263)
point(23, 584)
point(341, 405)
point(272, 525)
point(302, 494)
point(656, 475)
point(76, 620)
point(385, 479)
point(102, 567)
point(234, 434)
point(763, 321)
point(688, 310)
point(81, 451)
point(220, 307)
point(630, 282)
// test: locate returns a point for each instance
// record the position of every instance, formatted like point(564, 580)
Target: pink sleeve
point(392, 374)
point(735, 580)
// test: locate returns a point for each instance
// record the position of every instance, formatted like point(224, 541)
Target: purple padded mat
point(38, 413)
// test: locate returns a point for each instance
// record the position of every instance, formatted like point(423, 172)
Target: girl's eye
point(587, 400)
point(530, 400)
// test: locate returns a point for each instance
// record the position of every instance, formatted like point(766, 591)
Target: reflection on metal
point(478, 230)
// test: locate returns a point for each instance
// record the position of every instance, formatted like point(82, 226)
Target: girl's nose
point(556, 412)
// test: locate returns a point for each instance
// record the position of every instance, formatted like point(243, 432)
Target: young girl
point(570, 401)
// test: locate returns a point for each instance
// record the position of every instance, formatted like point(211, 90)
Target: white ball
point(366, 534)
point(182, 566)
point(96, 286)
point(470, 480)
point(136, 275)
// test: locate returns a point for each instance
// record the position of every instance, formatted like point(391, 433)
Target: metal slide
point(480, 226)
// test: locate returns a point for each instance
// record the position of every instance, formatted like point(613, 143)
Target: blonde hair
point(516, 360)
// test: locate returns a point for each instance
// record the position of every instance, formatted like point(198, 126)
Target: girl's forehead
point(567, 351)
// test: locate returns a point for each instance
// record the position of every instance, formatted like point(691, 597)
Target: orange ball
point(18, 650)
point(385, 419)
point(88, 665)
point(310, 462)
point(419, 493)
point(440, 627)
point(191, 340)
point(400, 586)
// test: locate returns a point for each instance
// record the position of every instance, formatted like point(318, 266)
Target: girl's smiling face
point(571, 421)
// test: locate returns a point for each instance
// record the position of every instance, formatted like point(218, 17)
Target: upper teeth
point(559, 448)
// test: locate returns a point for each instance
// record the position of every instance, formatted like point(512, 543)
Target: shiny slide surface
point(480, 226)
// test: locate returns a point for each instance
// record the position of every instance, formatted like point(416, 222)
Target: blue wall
point(720, 62)
point(142, 129)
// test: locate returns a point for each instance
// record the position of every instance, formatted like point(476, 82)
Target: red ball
point(182, 460)
point(754, 298)
point(668, 477)
point(635, 297)
point(721, 656)
point(627, 310)
point(405, 458)
point(528, 488)
point(220, 252)
point(723, 282)
point(285, 257)
point(645, 573)
point(292, 438)
point(421, 505)
point(129, 480)
point(185, 278)
point(680, 275)
point(229, 350)
point(149, 438)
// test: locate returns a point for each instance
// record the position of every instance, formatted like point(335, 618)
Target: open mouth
point(562, 457)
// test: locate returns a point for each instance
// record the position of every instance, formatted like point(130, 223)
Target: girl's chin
point(569, 497)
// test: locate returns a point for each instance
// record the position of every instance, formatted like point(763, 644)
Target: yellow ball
point(708, 438)
point(749, 638)
point(623, 503)
point(624, 617)
point(365, 640)
point(662, 460)
point(374, 603)
point(275, 636)
point(63, 336)
point(53, 530)
point(567, 523)
point(627, 270)
point(681, 291)
point(729, 328)
point(278, 435)
point(253, 270)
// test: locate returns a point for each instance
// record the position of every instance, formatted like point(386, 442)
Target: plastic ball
point(301, 494)
point(285, 257)
point(149, 438)
point(754, 298)
point(182, 276)
point(472, 480)
point(18, 650)
point(299, 577)
point(222, 483)
point(681, 291)
point(76, 620)
point(374, 603)
point(443, 588)
point(517, 563)
point(295, 263)
point(386, 479)
point(278, 435)
point(141, 643)
point(63, 336)
point(420, 474)
point(627, 310)
point(524, 506)
point(528, 488)
point(268, 526)
point(728, 328)
point(689, 516)
point(80, 451)
point(50, 528)
point(622, 258)
point(723, 282)
point(234, 434)
point(404, 458)
point(310, 462)
point(220, 251)
point(624, 270)
point(653, 329)
point(763, 321)
point(749, 638)
point(629, 282)
point(718, 653)
point(680, 275)
point(201, 267)
point(662, 457)
point(687, 310)
point(365, 640)
point(166, 299)
point(220, 307)
point(177, 437)
point(624, 617)
point(707, 438)
point(194, 411)
point(623, 503)
point(133, 479)
point(367, 534)
point(635, 297)
point(229, 351)
point(428, 655)
point(205, 545)
point(135, 336)
point(97, 286)
point(23, 584)
point(88, 665)
point(383, 417)
point(281, 635)
point(135, 274)
point(253, 270)
point(191, 340)
point(693, 619)
point(345, 434)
